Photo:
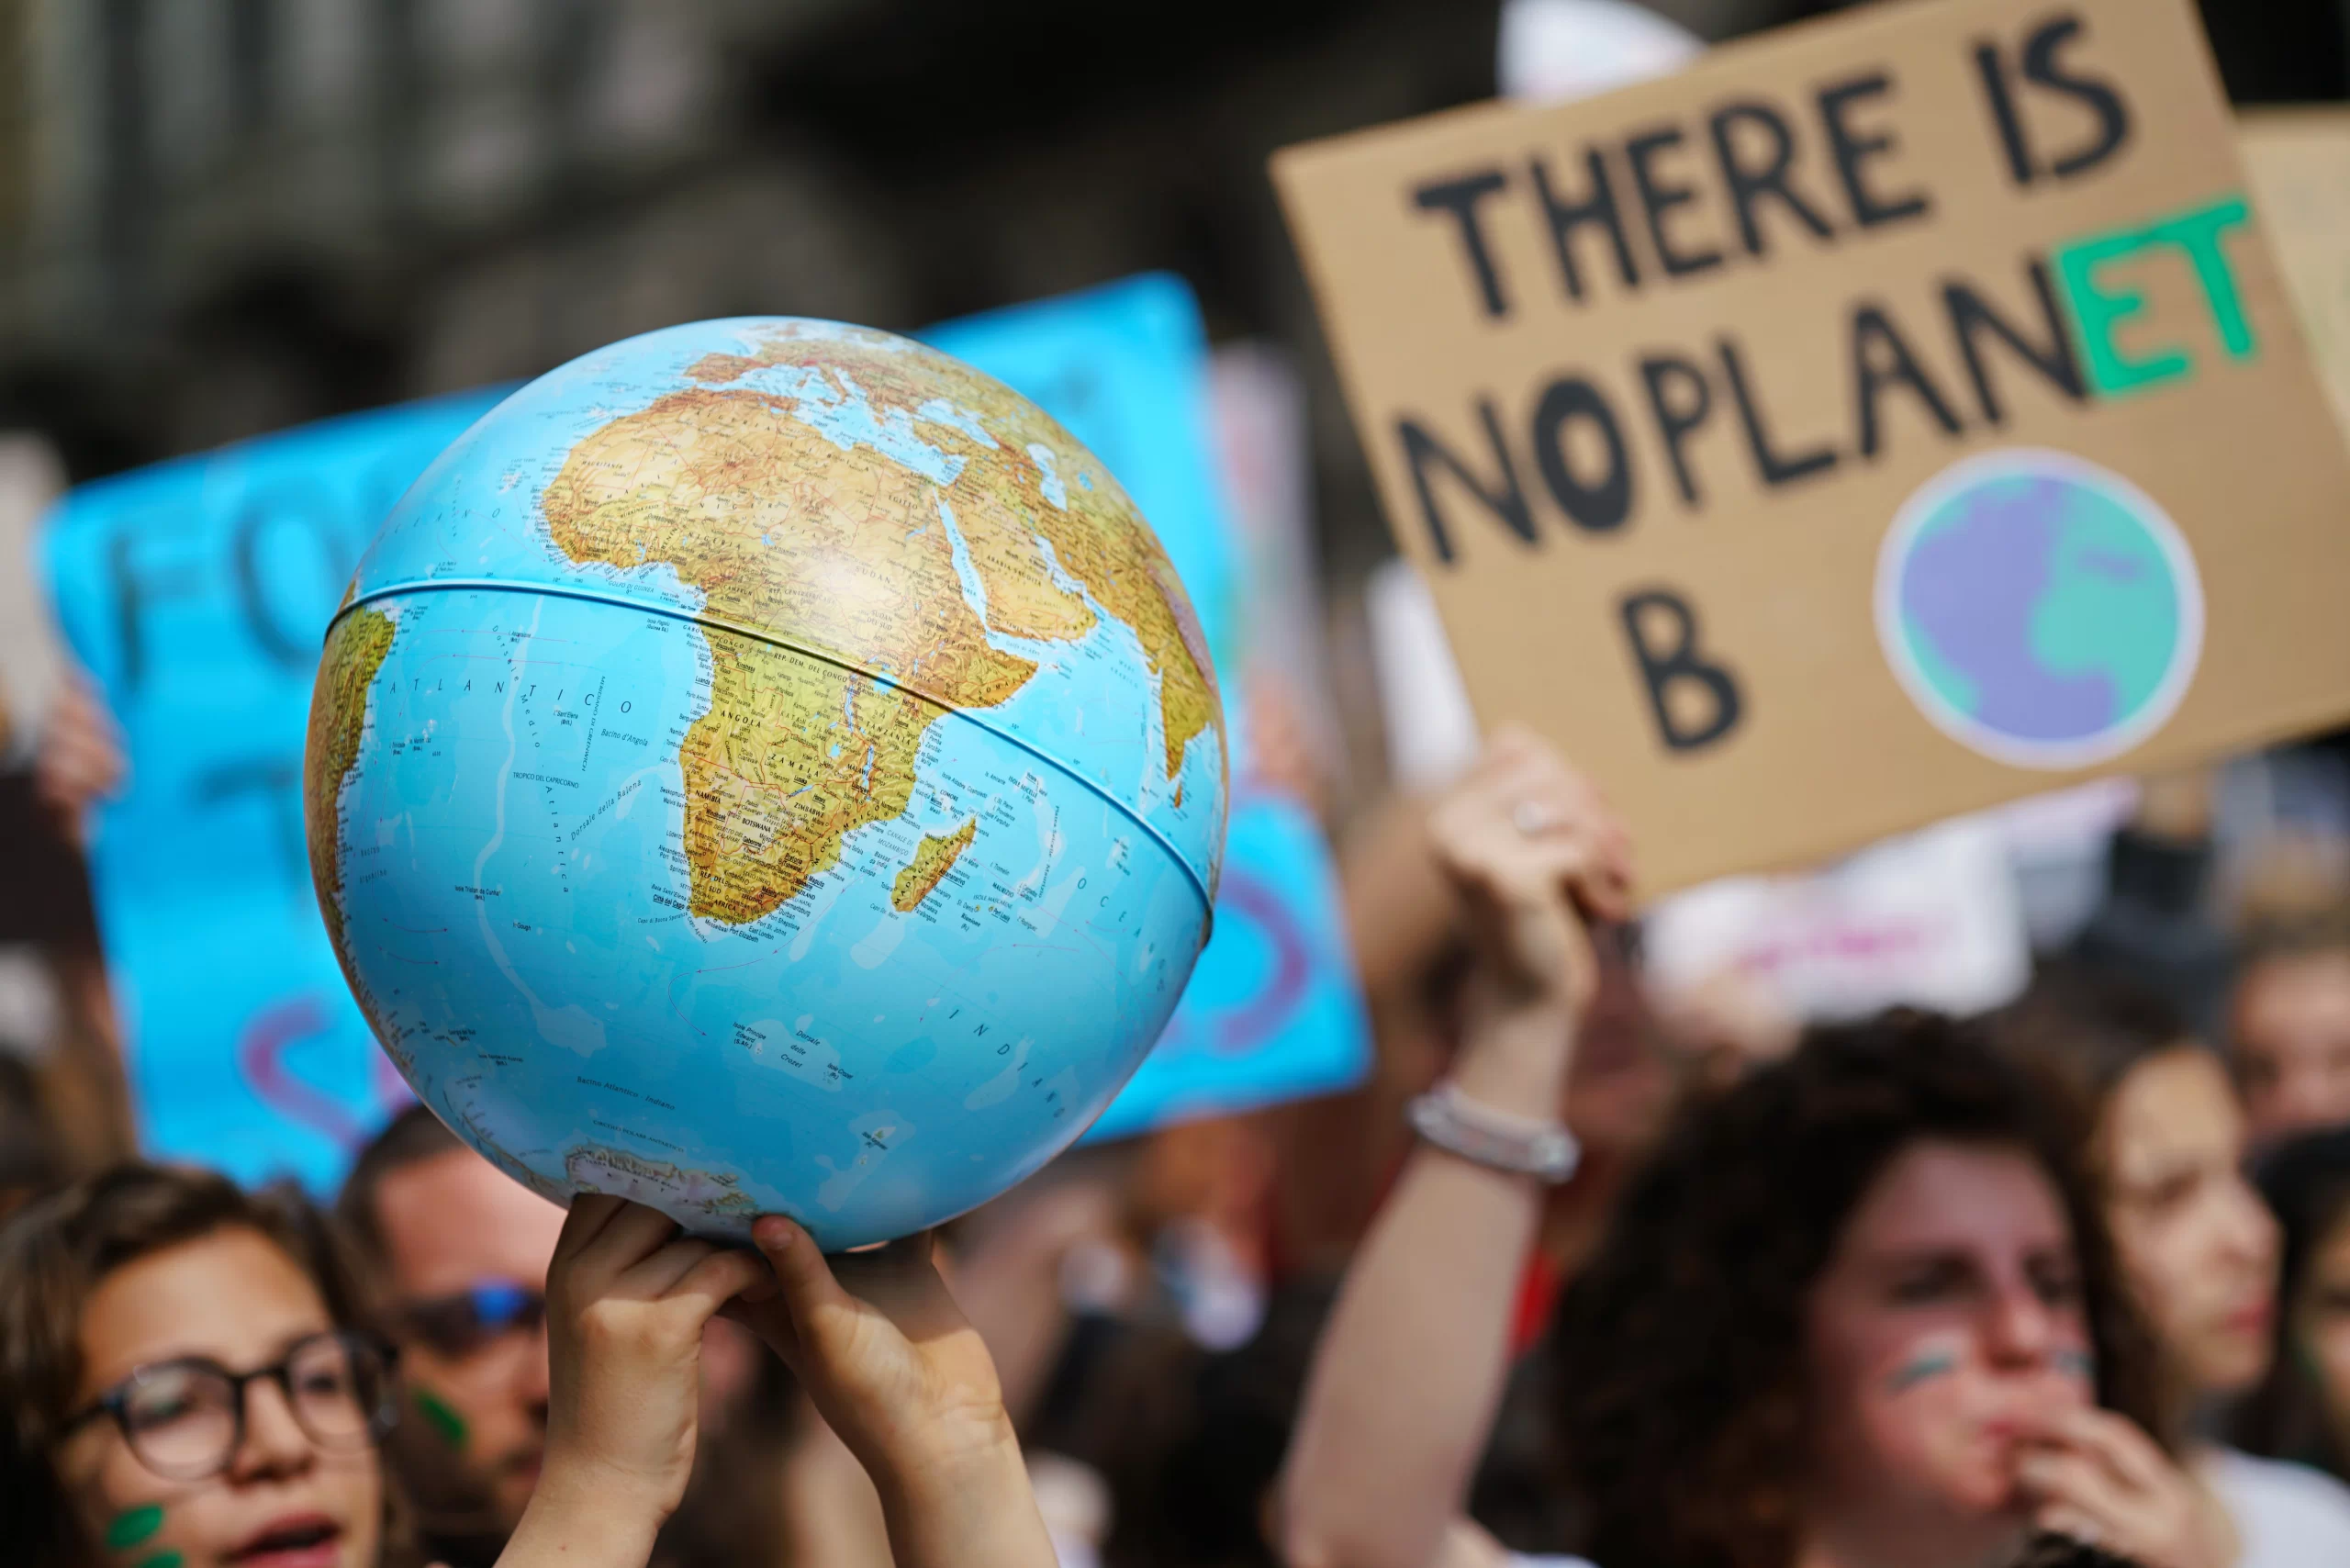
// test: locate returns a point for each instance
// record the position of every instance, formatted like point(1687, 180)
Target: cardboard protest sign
point(1877, 419)
point(2300, 162)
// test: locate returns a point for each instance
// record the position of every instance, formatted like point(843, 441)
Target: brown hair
point(54, 1253)
point(2085, 1031)
point(413, 1137)
point(2294, 935)
point(1680, 1352)
point(2306, 1182)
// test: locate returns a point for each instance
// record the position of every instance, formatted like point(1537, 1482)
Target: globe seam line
point(493, 585)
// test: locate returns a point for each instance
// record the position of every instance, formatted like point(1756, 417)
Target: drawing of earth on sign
point(2038, 608)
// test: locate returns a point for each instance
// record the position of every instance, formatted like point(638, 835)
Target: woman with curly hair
point(1858, 1310)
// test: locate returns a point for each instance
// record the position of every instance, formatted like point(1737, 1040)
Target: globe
point(766, 765)
point(2039, 608)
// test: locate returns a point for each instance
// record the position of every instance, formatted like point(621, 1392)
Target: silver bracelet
point(1452, 1121)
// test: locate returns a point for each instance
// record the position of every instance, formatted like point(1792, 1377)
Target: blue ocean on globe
point(767, 766)
point(2039, 610)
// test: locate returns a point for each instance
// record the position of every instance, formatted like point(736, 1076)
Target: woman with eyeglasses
point(188, 1381)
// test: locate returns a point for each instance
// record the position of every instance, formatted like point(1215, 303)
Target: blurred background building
point(222, 216)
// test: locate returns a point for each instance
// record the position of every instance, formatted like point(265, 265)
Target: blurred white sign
point(1928, 920)
point(1554, 50)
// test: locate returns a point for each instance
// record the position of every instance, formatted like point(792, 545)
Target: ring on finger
point(1532, 818)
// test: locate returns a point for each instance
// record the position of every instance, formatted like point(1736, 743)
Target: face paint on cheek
point(163, 1560)
point(2078, 1365)
point(445, 1422)
point(132, 1526)
point(1923, 1367)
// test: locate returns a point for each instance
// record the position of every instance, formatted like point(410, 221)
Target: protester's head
point(2303, 1410)
point(459, 1252)
point(2289, 1021)
point(189, 1378)
point(1846, 1287)
point(28, 1154)
point(1620, 1085)
point(2167, 1143)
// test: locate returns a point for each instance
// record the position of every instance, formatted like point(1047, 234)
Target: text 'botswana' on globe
point(1878, 420)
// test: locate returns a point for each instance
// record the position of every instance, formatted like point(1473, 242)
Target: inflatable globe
point(2039, 608)
point(766, 765)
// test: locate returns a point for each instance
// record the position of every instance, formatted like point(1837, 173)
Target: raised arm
point(897, 1371)
point(1404, 1385)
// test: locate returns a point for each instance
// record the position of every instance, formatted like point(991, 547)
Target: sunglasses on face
point(184, 1419)
point(466, 1322)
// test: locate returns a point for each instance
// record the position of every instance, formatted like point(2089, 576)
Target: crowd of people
point(1574, 1273)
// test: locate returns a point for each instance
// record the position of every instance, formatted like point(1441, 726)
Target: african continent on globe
point(766, 765)
point(2039, 608)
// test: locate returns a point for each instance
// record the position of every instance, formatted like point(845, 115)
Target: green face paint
point(1932, 1364)
point(163, 1560)
point(133, 1526)
point(447, 1423)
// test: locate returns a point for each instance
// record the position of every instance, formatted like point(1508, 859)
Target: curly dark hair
point(1679, 1352)
point(54, 1252)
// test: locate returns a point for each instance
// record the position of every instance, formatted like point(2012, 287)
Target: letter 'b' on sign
point(1663, 632)
point(1874, 421)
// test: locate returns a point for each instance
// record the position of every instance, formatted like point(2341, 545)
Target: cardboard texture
point(2300, 162)
point(1917, 421)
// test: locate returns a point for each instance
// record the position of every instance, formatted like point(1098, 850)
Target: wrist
point(970, 1506)
point(1515, 1056)
point(948, 1458)
point(582, 1496)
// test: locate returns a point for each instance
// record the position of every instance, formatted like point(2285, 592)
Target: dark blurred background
point(223, 217)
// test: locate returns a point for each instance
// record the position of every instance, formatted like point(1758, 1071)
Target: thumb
point(802, 1276)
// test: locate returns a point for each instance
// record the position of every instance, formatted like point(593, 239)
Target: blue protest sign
point(195, 592)
point(1272, 1011)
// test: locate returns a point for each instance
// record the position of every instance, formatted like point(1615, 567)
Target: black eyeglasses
point(466, 1322)
point(184, 1419)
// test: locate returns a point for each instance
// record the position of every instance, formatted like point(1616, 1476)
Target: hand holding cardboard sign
point(1533, 853)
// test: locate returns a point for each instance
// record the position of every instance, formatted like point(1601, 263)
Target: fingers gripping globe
point(2038, 608)
point(766, 765)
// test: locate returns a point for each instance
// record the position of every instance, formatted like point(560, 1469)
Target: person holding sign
point(1859, 1312)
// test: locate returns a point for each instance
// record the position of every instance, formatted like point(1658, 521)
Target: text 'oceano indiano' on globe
point(767, 765)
